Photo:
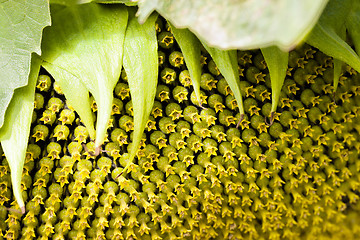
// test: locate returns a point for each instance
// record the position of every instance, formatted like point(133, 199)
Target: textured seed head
point(196, 175)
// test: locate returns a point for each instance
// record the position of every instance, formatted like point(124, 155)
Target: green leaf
point(277, 63)
point(126, 2)
point(338, 63)
point(87, 41)
point(226, 61)
point(14, 134)
point(353, 25)
point(21, 24)
point(230, 24)
point(68, 2)
point(327, 41)
point(190, 48)
point(76, 94)
point(335, 13)
point(325, 35)
point(141, 67)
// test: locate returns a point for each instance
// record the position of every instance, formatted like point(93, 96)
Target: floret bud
point(38, 101)
point(185, 79)
point(183, 128)
point(207, 82)
point(165, 39)
point(158, 138)
point(117, 106)
point(40, 132)
point(157, 110)
point(186, 155)
point(194, 143)
point(217, 133)
point(126, 122)
point(55, 104)
point(180, 93)
point(61, 132)
point(162, 93)
point(227, 118)
point(48, 117)
point(113, 150)
point(167, 125)
point(168, 75)
point(174, 111)
point(176, 59)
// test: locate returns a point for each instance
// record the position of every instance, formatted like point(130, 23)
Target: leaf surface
point(190, 48)
point(126, 2)
point(338, 64)
point(277, 63)
point(14, 134)
point(230, 24)
point(68, 2)
point(22, 23)
point(353, 24)
point(325, 35)
point(226, 61)
point(141, 67)
point(87, 41)
point(76, 94)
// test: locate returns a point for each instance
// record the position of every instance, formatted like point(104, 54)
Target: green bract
point(277, 62)
point(141, 66)
point(16, 129)
point(85, 44)
point(190, 47)
point(21, 24)
point(226, 61)
point(240, 24)
point(327, 33)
